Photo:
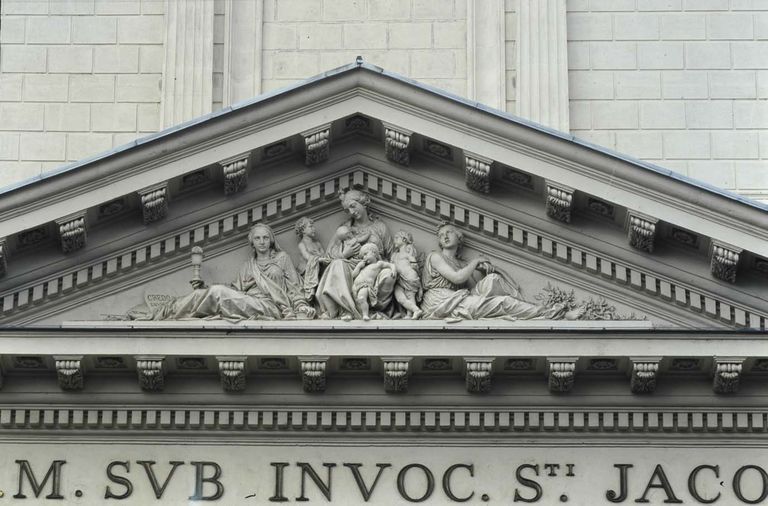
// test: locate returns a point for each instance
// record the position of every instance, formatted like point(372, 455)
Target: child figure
point(408, 287)
point(313, 254)
point(343, 239)
point(365, 274)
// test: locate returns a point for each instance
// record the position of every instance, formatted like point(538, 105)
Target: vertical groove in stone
point(542, 66)
point(486, 64)
point(188, 67)
point(243, 28)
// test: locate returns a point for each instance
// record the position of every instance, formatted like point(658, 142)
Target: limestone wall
point(683, 83)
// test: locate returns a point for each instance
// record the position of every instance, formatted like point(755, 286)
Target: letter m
point(37, 488)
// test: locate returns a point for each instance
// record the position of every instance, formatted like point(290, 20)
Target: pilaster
point(542, 63)
point(486, 65)
point(188, 64)
point(243, 26)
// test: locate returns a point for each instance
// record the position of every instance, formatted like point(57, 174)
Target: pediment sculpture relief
point(366, 272)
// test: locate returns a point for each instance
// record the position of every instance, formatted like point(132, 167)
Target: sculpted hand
point(197, 284)
point(350, 250)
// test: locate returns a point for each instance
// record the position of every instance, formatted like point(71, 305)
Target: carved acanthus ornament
point(478, 375)
point(235, 172)
point(725, 261)
point(396, 142)
point(641, 232)
point(477, 172)
point(562, 372)
point(727, 375)
point(644, 373)
point(3, 257)
point(232, 373)
point(70, 373)
point(72, 232)
point(151, 373)
point(154, 203)
point(317, 145)
point(313, 373)
point(559, 202)
point(396, 372)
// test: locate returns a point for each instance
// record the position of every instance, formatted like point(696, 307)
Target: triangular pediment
point(557, 212)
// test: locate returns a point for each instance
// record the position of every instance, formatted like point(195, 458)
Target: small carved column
point(151, 373)
point(72, 232)
point(235, 170)
point(724, 261)
point(478, 374)
point(477, 172)
point(644, 373)
point(641, 231)
point(727, 374)
point(396, 373)
point(317, 144)
point(559, 202)
point(396, 143)
point(70, 372)
point(154, 202)
point(562, 373)
point(232, 373)
point(313, 373)
point(3, 257)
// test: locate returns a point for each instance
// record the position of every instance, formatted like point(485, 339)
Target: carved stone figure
point(267, 288)
point(334, 291)
point(313, 255)
point(408, 287)
point(455, 288)
point(365, 275)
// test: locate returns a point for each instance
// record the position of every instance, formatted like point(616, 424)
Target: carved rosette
point(478, 376)
point(644, 372)
point(151, 374)
point(477, 172)
point(724, 261)
point(727, 375)
point(562, 374)
point(72, 232)
point(396, 142)
point(317, 145)
point(154, 203)
point(3, 258)
point(396, 372)
point(70, 373)
point(559, 202)
point(641, 232)
point(232, 374)
point(235, 172)
point(313, 374)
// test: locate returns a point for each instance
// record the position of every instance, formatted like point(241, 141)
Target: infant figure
point(313, 256)
point(408, 287)
point(345, 243)
point(364, 278)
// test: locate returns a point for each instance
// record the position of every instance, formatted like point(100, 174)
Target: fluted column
point(188, 68)
point(542, 63)
point(243, 22)
point(486, 79)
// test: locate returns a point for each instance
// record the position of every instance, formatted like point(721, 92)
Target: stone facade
point(680, 83)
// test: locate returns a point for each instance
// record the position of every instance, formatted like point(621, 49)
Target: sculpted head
point(262, 239)
point(402, 238)
point(370, 252)
point(305, 226)
point(356, 203)
point(449, 236)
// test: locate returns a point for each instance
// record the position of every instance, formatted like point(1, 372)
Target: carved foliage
point(396, 144)
point(561, 375)
point(478, 378)
point(724, 262)
point(317, 144)
point(727, 374)
point(151, 374)
point(154, 203)
point(313, 374)
point(232, 374)
point(644, 377)
point(477, 173)
point(70, 373)
point(396, 373)
point(641, 233)
point(559, 202)
point(235, 175)
point(72, 233)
